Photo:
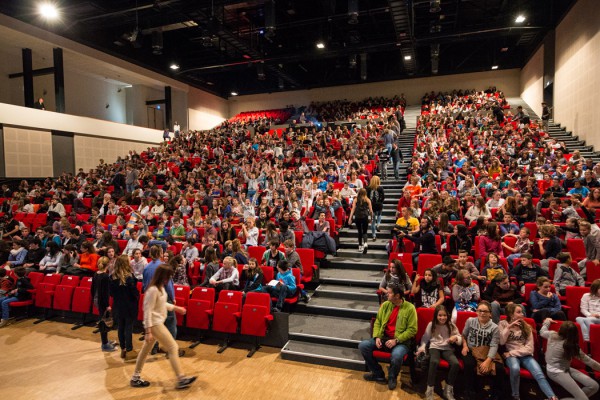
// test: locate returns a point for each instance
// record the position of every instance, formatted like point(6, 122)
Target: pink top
point(512, 338)
point(487, 245)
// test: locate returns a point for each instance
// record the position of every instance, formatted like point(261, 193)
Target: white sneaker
point(360, 248)
point(365, 247)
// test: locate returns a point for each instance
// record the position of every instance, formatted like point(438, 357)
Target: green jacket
point(406, 324)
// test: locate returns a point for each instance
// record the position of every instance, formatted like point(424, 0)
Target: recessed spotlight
point(494, 67)
point(408, 58)
point(320, 45)
point(520, 19)
point(174, 67)
point(48, 11)
point(234, 93)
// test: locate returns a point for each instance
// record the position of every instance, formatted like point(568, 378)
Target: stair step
point(340, 276)
point(350, 242)
point(323, 354)
point(345, 292)
point(358, 264)
point(318, 329)
point(340, 307)
point(372, 253)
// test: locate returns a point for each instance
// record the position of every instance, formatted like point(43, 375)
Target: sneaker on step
point(360, 248)
point(365, 248)
point(138, 382)
point(185, 382)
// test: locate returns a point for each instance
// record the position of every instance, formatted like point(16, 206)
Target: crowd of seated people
point(370, 108)
point(231, 189)
point(494, 220)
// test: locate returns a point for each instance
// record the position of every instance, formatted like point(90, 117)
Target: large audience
point(509, 214)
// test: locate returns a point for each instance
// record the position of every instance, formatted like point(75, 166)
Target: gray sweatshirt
point(555, 354)
point(482, 335)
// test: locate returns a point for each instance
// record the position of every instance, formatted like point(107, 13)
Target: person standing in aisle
point(362, 210)
point(155, 314)
point(396, 155)
point(545, 116)
point(376, 194)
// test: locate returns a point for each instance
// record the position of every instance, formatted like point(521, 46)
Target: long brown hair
point(570, 334)
point(162, 274)
point(122, 269)
point(510, 311)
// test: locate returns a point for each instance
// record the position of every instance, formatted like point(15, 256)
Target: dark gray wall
point(63, 152)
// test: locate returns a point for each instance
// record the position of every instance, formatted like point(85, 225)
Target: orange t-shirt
point(89, 261)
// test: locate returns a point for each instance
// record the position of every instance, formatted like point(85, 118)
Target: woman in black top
point(376, 194)
point(362, 210)
point(100, 295)
point(459, 240)
point(123, 289)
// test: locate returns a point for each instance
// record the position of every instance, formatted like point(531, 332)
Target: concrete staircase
point(327, 330)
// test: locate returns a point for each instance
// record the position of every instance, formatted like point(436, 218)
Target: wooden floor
point(50, 361)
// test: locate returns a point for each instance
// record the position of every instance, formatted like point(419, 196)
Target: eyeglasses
point(483, 312)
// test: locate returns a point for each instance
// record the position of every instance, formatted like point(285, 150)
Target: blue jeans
point(528, 362)
point(398, 352)
point(5, 305)
point(171, 323)
point(585, 323)
point(511, 260)
point(281, 292)
point(375, 221)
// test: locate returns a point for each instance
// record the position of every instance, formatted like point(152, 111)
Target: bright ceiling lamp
point(48, 10)
point(520, 19)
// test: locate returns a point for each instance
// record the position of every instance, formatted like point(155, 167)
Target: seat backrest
point(424, 317)
point(268, 274)
point(307, 257)
point(462, 317)
point(35, 278)
point(576, 248)
point(231, 296)
point(53, 279)
point(85, 282)
point(427, 261)
point(595, 341)
point(202, 293)
point(574, 295)
point(510, 240)
point(63, 296)
point(256, 252)
point(259, 299)
point(406, 259)
point(182, 293)
point(69, 280)
point(82, 300)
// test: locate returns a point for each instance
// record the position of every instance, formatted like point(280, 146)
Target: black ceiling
point(224, 45)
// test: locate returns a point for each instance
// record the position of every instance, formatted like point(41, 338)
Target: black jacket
point(424, 242)
point(125, 298)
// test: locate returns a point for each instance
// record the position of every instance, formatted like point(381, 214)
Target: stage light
point(234, 93)
point(407, 58)
point(48, 11)
point(520, 19)
point(174, 67)
point(320, 45)
point(494, 67)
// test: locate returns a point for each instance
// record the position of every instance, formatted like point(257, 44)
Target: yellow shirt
point(412, 223)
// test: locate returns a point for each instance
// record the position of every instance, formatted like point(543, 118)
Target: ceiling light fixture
point(234, 93)
point(494, 67)
point(408, 58)
point(320, 45)
point(520, 19)
point(48, 11)
point(174, 67)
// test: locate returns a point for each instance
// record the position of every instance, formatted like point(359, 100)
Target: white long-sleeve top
point(589, 305)
point(156, 306)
